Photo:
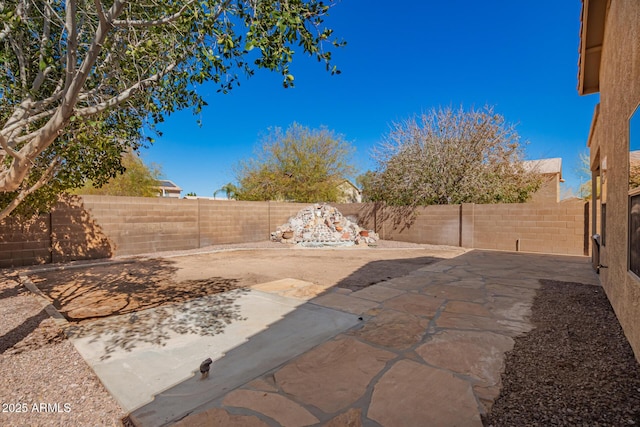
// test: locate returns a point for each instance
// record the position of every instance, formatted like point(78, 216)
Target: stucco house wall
point(618, 80)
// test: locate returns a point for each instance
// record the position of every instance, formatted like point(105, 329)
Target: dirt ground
point(127, 286)
point(576, 367)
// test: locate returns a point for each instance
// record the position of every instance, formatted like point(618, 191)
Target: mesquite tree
point(450, 157)
point(81, 79)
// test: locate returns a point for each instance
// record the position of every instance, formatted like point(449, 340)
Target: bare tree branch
point(124, 95)
point(72, 41)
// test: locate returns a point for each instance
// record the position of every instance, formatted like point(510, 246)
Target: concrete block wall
point(222, 222)
point(138, 225)
point(557, 228)
point(436, 225)
point(75, 235)
point(25, 243)
point(100, 226)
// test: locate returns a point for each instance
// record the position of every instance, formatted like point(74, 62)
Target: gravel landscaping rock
point(44, 380)
point(576, 367)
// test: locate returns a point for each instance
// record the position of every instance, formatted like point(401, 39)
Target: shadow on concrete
point(112, 302)
point(379, 271)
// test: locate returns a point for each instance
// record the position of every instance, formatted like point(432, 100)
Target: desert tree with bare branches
point(448, 156)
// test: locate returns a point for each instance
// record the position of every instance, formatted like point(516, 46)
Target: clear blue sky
point(401, 59)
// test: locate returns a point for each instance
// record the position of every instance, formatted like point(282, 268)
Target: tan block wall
point(222, 222)
point(75, 235)
point(436, 225)
point(68, 233)
point(619, 97)
point(146, 225)
point(138, 225)
point(557, 228)
point(25, 243)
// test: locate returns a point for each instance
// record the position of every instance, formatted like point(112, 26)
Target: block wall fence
point(92, 227)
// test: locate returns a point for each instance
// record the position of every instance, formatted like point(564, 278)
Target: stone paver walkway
point(429, 351)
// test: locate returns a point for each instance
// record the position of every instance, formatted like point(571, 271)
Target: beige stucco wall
point(619, 96)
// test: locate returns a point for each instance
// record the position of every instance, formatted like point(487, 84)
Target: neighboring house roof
point(349, 184)
point(593, 18)
point(165, 184)
point(545, 166)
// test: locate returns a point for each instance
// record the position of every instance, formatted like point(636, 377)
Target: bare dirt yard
point(46, 382)
point(131, 285)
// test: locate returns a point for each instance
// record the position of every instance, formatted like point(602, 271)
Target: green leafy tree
point(79, 80)
point(450, 157)
point(137, 179)
point(299, 164)
point(367, 182)
point(191, 194)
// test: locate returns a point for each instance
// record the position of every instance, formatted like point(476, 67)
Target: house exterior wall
point(619, 96)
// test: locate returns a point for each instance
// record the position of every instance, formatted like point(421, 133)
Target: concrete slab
point(297, 332)
point(134, 369)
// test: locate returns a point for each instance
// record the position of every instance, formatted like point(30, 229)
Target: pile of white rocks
point(322, 225)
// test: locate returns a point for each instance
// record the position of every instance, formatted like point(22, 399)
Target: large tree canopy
point(137, 180)
point(450, 157)
point(79, 80)
point(299, 164)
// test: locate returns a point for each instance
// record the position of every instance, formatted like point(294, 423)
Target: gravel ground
point(576, 368)
point(44, 381)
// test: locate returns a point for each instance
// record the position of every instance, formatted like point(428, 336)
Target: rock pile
point(322, 225)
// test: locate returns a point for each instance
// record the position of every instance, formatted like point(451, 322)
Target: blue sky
point(401, 59)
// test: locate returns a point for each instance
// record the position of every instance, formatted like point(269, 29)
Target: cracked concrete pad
point(393, 329)
point(419, 305)
point(286, 412)
point(476, 354)
point(377, 293)
point(452, 292)
point(217, 417)
point(351, 418)
point(413, 394)
point(345, 303)
point(334, 375)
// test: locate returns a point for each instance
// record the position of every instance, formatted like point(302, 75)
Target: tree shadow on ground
point(380, 271)
point(21, 331)
point(113, 302)
point(204, 316)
